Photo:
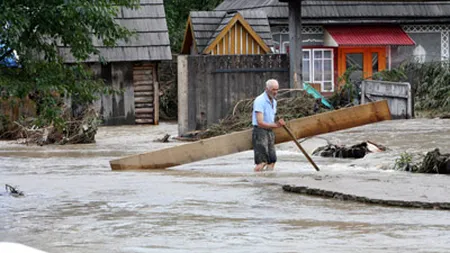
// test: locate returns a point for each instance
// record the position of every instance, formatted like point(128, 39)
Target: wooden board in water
point(242, 141)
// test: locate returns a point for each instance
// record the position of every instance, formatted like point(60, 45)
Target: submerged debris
point(12, 191)
point(78, 129)
point(164, 139)
point(433, 162)
point(355, 151)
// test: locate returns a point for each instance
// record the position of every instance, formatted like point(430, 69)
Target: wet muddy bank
point(365, 200)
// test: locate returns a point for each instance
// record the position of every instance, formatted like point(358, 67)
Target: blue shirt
point(262, 104)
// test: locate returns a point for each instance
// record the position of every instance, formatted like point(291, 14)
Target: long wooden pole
point(301, 148)
point(242, 141)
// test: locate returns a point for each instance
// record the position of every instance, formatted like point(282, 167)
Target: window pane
point(318, 70)
point(306, 71)
point(306, 54)
point(327, 54)
point(374, 63)
point(276, 47)
point(355, 61)
point(327, 86)
point(328, 70)
point(318, 54)
point(285, 47)
point(284, 38)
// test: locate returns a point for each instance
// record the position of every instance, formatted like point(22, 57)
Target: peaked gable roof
point(348, 11)
point(204, 24)
point(207, 27)
point(150, 43)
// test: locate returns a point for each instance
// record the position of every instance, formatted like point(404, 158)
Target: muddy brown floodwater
point(74, 203)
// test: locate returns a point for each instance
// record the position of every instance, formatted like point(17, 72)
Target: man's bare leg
point(260, 167)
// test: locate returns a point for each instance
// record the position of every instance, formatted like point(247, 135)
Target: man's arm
point(262, 124)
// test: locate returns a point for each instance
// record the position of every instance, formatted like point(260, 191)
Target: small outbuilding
point(132, 66)
point(227, 33)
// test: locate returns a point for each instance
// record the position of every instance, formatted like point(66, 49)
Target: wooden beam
point(242, 141)
point(156, 95)
point(295, 44)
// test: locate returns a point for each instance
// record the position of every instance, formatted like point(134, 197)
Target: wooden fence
point(208, 86)
point(14, 108)
point(398, 96)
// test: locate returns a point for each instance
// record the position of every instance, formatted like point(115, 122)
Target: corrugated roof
point(347, 11)
point(369, 36)
point(150, 43)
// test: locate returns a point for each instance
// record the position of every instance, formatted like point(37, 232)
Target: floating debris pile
point(433, 162)
point(292, 104)
point(78, 128)
point(356, 151)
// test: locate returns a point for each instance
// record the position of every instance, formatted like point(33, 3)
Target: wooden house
point(133, 66)
point(227, 33)
point(369, 35)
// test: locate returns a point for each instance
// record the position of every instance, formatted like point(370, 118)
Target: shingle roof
point(208, 24)
point(205, 24)
point(151, 42)
point(345, 11)
point(259, 22)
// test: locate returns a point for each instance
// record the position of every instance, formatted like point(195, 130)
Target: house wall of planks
point(14, 108)
point(237, 41)
point(146, 93)
point(138, 103)
point(209, 86)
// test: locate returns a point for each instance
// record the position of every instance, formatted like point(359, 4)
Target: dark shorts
point(264, 145)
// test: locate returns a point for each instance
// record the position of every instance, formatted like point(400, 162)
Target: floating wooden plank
point(143, 110)
point(144, 121)
point(140, 78)
point(242, 141)
point(143, 105)
point(144, 116)
point(143, 100)
point(143, 83)
point(143, 88)
point(148, 71)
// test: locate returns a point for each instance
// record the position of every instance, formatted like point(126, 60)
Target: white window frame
point(282, 50)
point(323, 72)
point(312, 69)
point(310, 77)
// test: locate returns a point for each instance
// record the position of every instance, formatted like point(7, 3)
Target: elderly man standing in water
point(263, 120)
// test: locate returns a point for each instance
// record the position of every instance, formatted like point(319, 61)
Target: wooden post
point(295, 43)
point(156, 95)
point(183, 105)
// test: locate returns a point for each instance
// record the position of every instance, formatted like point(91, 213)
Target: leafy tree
point(177, 12)
point(33, 30)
